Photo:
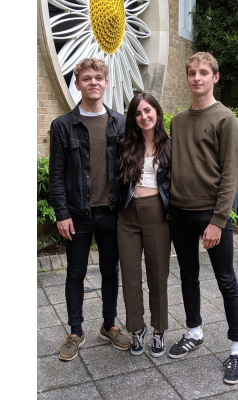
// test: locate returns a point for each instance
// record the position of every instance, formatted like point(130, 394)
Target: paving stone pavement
point(100, 371)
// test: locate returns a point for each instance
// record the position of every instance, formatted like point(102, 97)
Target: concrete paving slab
point(91, 294)
point(209, 289)
point(89, 259)
point(174, 295)
point(41, 298)
point(54, 373)
point(235, 240)
point(232, 395)
point(218, 302)
point(61, 310)
point(196, 378)
point(215, 337)
point(95, 257)
point(49, 340)
point(94, 283)
point(38, 265)
point(52, 278)
point(86, 391)
point(46, 317)
point(107, 361)
point(92, 308)
point(148, 383)
point(46, 263)
point(64, 260)
point(209, 313)
point(173, 263)
point(205, 273)
point(56, 261)
point(235, 267)
point(204, 258)
point(173, 279)
point(56, 294)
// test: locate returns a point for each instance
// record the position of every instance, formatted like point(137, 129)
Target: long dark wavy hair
point(132, 150)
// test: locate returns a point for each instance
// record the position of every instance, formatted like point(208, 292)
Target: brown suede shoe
point(116, 337)
point(69, 350)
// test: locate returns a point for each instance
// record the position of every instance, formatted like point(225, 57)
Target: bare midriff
point(145, 191)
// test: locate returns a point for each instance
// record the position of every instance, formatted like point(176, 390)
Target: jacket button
point(87, 176)
point(87, 195)
point(87, 156)
point(86, 213)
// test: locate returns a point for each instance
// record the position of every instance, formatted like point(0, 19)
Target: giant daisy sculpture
point(108, 30)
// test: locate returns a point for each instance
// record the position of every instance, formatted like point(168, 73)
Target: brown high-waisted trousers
point(142, 226)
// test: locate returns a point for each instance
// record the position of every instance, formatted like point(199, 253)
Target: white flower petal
point(134, 70)
point(66, 5)
point(127, 85)
point(136, 10)
point(68, 48)
point(139, 51)
point(78, 54)
point(143, 33)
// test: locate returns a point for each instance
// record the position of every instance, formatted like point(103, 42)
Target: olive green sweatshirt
point(205, 161)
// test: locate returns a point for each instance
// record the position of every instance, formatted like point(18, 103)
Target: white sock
point(234, 348)
point(195, 333)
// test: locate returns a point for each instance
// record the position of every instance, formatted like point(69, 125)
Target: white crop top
point(149, 174)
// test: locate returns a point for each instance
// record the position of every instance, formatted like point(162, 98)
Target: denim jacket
point(70, 186)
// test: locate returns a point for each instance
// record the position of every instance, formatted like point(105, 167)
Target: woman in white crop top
point(144, 159)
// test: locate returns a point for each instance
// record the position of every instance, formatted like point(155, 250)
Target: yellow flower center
point(108, 23)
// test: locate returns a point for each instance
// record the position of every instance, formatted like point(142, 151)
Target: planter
point(43, 231)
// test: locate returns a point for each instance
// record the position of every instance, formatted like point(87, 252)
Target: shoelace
point(155, 341)
point(183, 339)
point(71, 341)
point(231, 362)
point(118, 332)
point(138, 341)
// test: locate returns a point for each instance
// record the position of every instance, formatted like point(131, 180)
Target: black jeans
point(186, 229)
point(103, 221)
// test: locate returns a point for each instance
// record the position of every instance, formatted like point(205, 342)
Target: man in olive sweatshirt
point(204, 180)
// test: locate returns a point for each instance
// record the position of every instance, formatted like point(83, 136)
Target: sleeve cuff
point(219, 222)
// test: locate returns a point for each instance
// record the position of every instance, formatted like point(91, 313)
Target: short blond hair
point(205, 57)
point(91, 63)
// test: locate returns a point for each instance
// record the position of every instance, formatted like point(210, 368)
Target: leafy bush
point(167, 117)
point(235, 111)
point(45, 211)
point(234, 218)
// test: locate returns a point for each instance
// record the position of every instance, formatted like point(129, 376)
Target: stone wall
point(176, 91)
point(48, 106)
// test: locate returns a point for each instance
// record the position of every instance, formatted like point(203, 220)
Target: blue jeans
point(102, 222)
point(186, 229)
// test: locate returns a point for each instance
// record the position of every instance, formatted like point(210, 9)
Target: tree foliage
point(216, 31)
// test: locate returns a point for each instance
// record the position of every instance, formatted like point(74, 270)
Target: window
point(185, 19)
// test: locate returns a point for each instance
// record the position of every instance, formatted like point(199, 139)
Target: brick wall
point(176, 91)
point(48, 107)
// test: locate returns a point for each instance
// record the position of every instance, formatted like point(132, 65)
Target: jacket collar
point(77, 117)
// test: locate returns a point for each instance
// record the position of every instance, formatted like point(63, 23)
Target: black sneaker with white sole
point(186, 344)
point(138, 346)
point(157, 347)
point(231, 373)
